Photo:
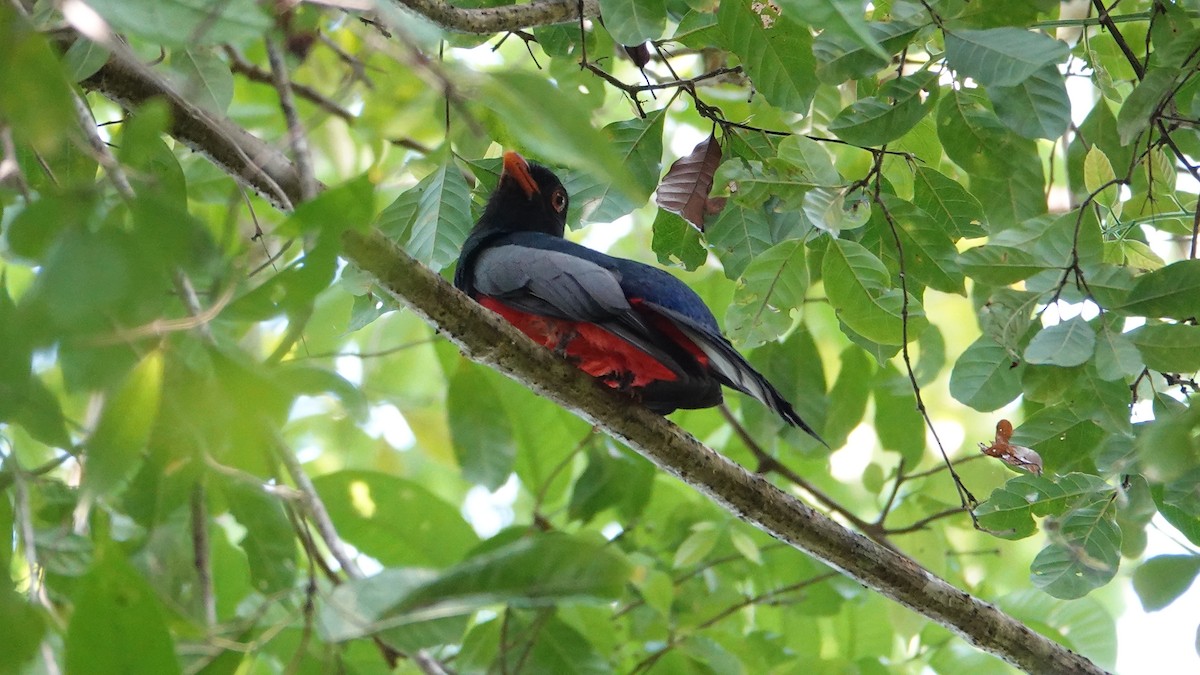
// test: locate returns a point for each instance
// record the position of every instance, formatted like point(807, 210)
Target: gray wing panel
point(550, 283)
point(563, 286)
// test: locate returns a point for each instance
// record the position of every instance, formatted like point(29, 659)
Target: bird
point(634, 327)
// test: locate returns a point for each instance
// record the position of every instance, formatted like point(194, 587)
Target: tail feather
point(736, 373)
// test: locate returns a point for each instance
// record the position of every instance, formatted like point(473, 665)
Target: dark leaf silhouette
point(684, 190)
point(639, 54)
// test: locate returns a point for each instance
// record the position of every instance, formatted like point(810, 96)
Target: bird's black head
point(529, 198)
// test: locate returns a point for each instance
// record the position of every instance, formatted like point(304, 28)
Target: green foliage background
point(909, 208)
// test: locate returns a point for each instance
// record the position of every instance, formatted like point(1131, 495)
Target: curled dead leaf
point(1017, 456)
point(685, 188)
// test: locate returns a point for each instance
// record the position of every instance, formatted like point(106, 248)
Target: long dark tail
point(732, 368)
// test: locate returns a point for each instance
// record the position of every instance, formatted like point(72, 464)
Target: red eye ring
point(559, 200)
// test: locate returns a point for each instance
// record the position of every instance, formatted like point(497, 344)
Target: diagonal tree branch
point(488, 20)
point(486, 338)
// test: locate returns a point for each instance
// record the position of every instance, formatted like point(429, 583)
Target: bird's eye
point(559, 201)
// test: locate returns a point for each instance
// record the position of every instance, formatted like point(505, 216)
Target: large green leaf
point(632, 22)
point(950, 206)
point(1084, 555)
point(985, 377)
point(180, 23)
point(114, 450)
point(1169, 348)
point(432, 219)
point(269, 541)
point(1037, 107)
point(775, 50)
point(771, 287)
point(860, 291)
point(533, 571)
point(843, 18)
point(480, 428)
point(365, 506)
point(842, 56)
point(890, 114)
point(1068, 343)
point(1003, 57)
point(1162, 579)
point(553, 127)
point(639, 143)
point(118, 626)
point(738, 236)
point(1172, 292)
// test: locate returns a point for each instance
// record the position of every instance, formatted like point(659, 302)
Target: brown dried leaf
point(1017, 456)
point(684, 190)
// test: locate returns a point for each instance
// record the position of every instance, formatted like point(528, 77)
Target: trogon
point(634, 327)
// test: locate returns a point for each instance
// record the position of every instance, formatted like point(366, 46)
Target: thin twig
point(200, 556)
point(297, 137)
point(240, 65)
point(968, 499)
point(316, 510)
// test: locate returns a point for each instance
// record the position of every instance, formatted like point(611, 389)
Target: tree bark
point(486, 338)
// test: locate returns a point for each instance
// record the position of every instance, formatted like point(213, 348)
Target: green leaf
point(35, 98)
point(930, 257)
point(542, 570)
point(558, 130)
point(1173, 292)
point(1067, 343)
point(890, 114)
point(1002, 265)
point(1002, 57)
point(1168, 348)
point(697, 546)
point(775, 50)
point(203, 78)
point(738, 236)
point(842, 57)
point(771, 287)
point(639, 143)
point(1116, 356)
point(843, 18)
point(898, 423)
point(480, 428)
point(632, 22)
point(1139, 107)
point(831, 211)
point(848, 397)
point(1007, 316)
point(23, 631)
point(269, 542)
point(985, 377)
point(614, 477)
point(950, 207)
point(431, 220)
point(860, 291)
point(364, 504)
point(676, 240)
point(975, 139)
point(1083, 556)
point(1162, 579)
point(1098, 175)
point(1037, 107)
point(1064, 438)
point(182, 23)
point(118, 626)
point(805, 162)
point(114, 450)
point(1011, 508)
